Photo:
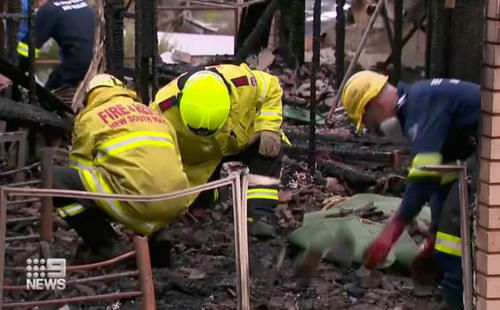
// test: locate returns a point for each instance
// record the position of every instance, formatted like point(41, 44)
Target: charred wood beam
point(46, 98)
point(261, 27)
point(302, 137)
point(115, 55)
point(340, 43)
point(398, 41)
point(292, 32)
point(387, 26)
point(146, 46)
point(347, 153)
point(14, 6)
point(32, 116)
point(31, 51)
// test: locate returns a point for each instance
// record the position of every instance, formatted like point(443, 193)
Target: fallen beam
point(32, 115)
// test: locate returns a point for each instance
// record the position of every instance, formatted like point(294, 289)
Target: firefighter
point(229, 113)
point(120, 146)
point(439, 118)
point(71, 24)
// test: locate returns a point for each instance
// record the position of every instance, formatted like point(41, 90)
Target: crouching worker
point(229, 113)
point(120, 146)
point(440, 118)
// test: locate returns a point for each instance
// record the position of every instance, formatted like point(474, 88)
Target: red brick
point(487, 304)
point(489, 171)
point(489, 194)
point(489, 217)
point(491, 125)
point(493, 31)
point(489, 264)
point(491, 54)
point(488, 240)
point(490, 148)
point(491, 78)
point(490, 101)
point(493, 11)
point(488, 287)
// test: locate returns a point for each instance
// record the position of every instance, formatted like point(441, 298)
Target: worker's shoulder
point(439, 85)
point(66, 6)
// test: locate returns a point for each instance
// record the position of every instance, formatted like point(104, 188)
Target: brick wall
point(488, 232)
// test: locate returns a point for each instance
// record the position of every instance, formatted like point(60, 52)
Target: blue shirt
point(22, 35)
point(437, 116)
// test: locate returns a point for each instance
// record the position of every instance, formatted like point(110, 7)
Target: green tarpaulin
point(319, 231)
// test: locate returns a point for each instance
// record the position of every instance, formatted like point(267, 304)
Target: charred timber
point(261, 27)
point(46, 98)
point(32, 115)
point(348, 153)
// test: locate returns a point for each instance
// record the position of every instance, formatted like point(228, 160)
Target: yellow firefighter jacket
point(121, 146)
point(255, 106)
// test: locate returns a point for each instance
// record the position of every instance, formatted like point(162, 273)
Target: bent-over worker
point(229, 113)
point(440, 119)
point(71, 24)
point(120, 146)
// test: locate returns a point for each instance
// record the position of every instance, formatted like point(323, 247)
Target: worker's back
point(134, 150)
point(71, 24)
point(441, 115)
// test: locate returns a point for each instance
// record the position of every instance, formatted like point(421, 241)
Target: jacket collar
point(401, 105)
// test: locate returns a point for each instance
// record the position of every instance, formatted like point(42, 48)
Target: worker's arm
point(82, 147)
point(269, 107)
point(432, 130)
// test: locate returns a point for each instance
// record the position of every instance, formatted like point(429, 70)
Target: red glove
point(423, 268)
point(376, 254)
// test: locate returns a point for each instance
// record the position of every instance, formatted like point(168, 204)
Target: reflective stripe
point(448, 177)
point(270, 114)
point(448, 244)
point(23, 50)
point(133, 140)
point(78, 163)
point(112, 207)
point(70, 210)
point(263, 193)
point(422, 159)
point(264, 89)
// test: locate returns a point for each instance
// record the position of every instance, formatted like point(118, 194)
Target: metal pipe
point(145, 274)
point(18, 202)
point(241, 246)
point(352, 65)
point(312, 103)
point(72, 300)
point(6, 173)
point(3, 226)
point(18, 238)
point(81, 280)
point(31, 51)
point(47, 162)
point(24, 183)
point(22, 219)
point(102, 264)
point(40, 192)
point(339, 42)
point(464, 228)
point(466, 240)
point(398, 40)
point(13, 16)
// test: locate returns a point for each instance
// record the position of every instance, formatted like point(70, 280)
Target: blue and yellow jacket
point(440, 118)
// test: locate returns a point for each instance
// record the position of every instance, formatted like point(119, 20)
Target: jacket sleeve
point(82, 147)
point(269, 106)
point(433, 128)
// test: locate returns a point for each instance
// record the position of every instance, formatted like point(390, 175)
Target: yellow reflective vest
point(255, 106)
point(121, 146)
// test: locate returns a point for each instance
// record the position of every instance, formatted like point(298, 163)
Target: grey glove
point(270, 143)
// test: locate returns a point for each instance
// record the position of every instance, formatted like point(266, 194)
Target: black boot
point(100, 240)
point(159, 249)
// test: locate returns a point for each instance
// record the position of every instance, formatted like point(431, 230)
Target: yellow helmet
point(204, 103)
point(103, 80)
point(358, 91)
